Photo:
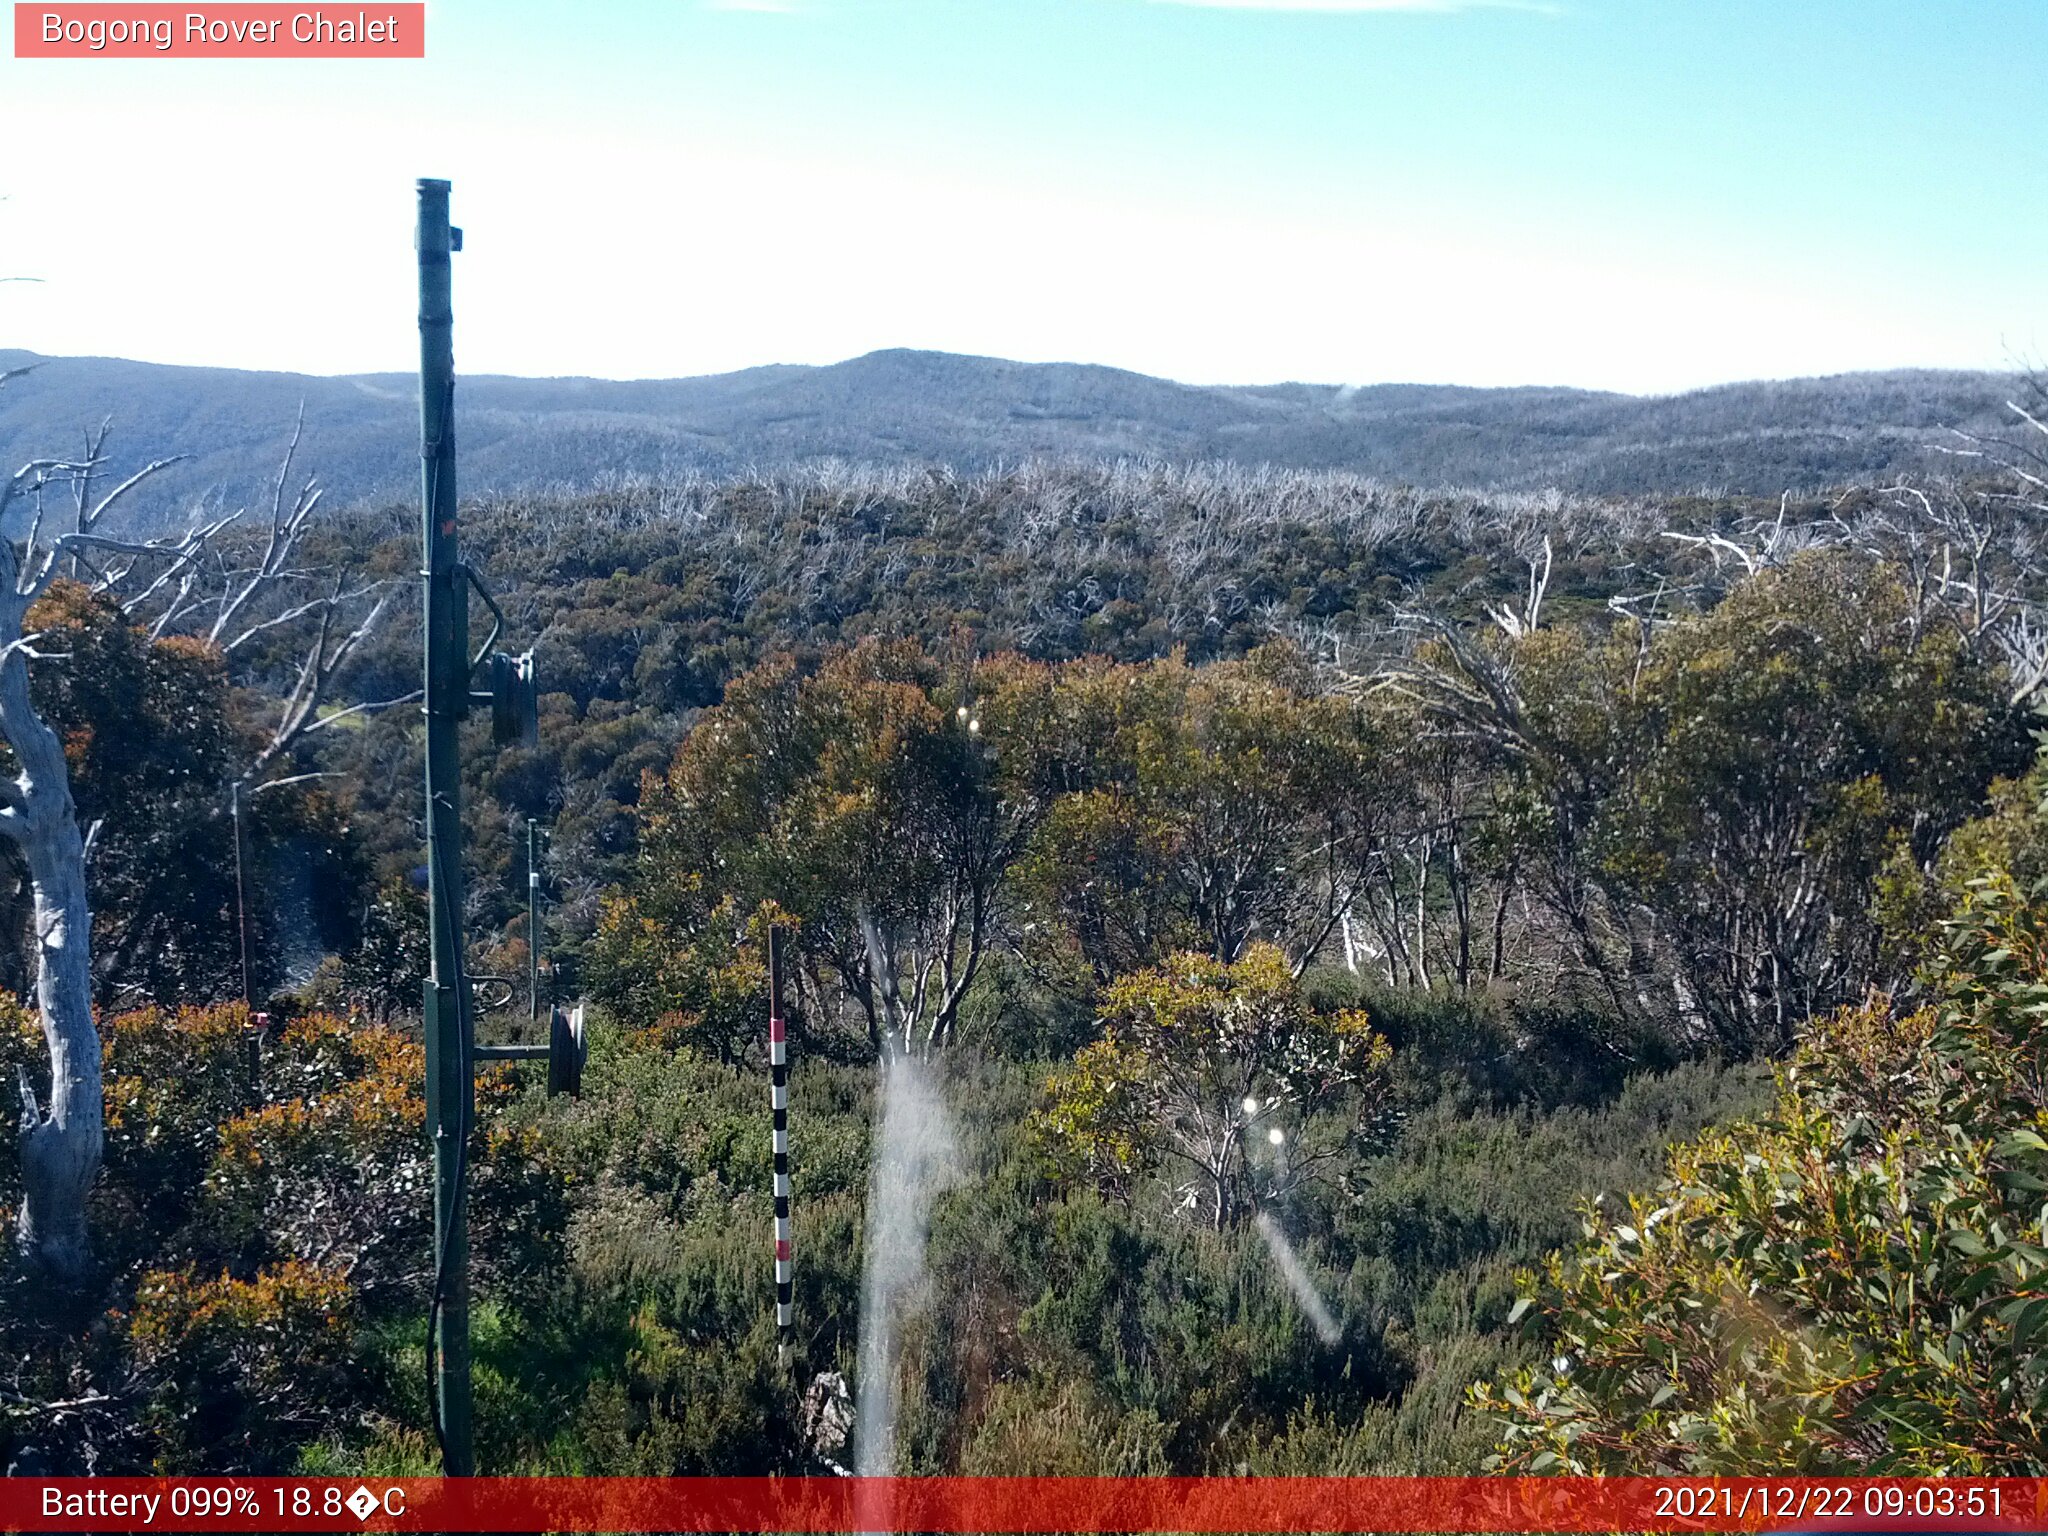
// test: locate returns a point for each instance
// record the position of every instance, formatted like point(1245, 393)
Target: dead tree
point(1517, 624)
point(61, 1140)
point(233, 598)
point(60, 1143)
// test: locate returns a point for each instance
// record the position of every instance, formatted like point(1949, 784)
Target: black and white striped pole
point(778, 1098)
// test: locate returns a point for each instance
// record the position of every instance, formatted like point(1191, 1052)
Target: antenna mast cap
point(433, 196)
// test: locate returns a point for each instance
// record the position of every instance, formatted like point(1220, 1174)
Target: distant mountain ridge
point(933, 407)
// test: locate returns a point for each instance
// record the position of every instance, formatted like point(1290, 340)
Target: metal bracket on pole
point(567, 1050)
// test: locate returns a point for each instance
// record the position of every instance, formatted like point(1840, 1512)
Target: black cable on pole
point(438, 882)
point(461, 1191)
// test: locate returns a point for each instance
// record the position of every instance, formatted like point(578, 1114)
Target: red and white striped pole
point(778, 1098)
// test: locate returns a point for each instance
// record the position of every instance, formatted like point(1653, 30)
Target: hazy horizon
point(2015, 369)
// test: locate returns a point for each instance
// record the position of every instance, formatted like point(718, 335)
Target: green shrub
point(1859, 1283)
point(235, 1373)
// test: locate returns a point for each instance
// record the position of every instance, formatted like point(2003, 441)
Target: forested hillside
point(971, 413)
point(1292, 899)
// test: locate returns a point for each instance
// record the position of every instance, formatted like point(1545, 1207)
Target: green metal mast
point(451, 999)
point(450, 1037)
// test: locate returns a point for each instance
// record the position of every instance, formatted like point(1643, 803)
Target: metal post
point(252, 1033)
point(532, 920)
point(449, 1036)
point(241, 894)
point(778, 1104)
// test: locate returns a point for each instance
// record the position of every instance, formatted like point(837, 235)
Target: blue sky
point(1632, 194)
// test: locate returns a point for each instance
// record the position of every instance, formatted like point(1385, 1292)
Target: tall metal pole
point(532, 920)
point(449, 1037)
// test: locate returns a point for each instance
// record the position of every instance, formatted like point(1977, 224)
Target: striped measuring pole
point(778, 1098)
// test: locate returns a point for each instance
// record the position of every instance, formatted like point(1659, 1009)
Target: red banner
point(1053, 1504)
point(233, 31)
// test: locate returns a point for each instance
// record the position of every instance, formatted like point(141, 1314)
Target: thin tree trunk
point(60, 1145)
point(1421, 960)
point(1461, 907)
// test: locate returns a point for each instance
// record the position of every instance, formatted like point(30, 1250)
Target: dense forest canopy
point(1304, 892)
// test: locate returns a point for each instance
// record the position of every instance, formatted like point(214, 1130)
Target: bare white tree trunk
point(60, 1143)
